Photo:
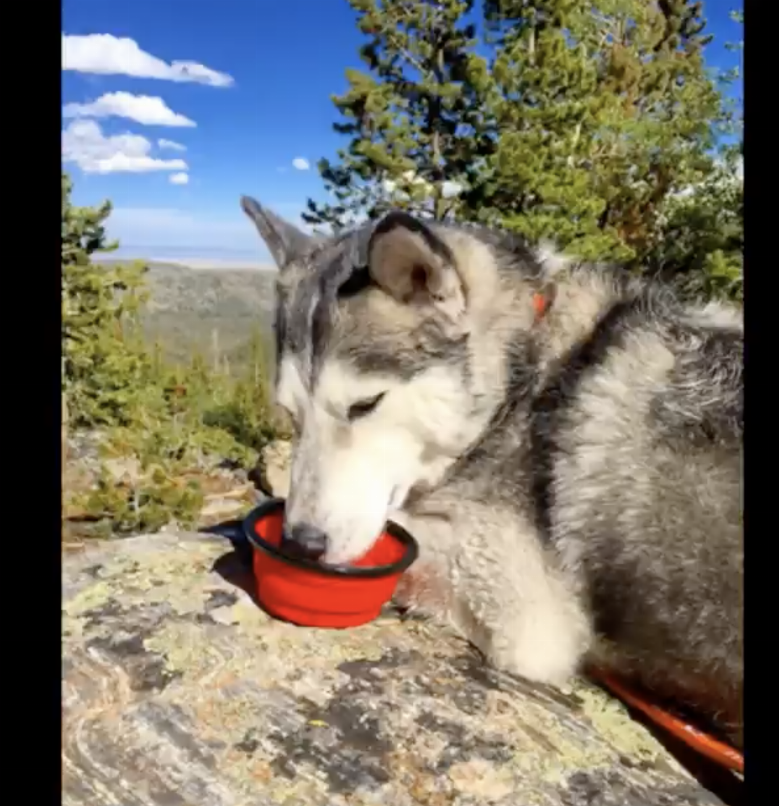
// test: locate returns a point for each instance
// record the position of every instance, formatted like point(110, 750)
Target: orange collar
point(541, 304)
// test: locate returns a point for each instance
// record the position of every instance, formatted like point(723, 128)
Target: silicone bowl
point(313, 594)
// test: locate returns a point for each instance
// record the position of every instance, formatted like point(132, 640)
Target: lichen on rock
point(179, 689)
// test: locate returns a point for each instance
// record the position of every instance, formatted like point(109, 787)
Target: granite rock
point(178, 690)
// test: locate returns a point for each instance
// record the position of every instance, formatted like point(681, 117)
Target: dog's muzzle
point(304, 542)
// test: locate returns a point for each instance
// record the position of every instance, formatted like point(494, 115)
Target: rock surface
point(179, 691)
point(273, 468)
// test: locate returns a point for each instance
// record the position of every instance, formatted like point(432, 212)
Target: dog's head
point(373, 365)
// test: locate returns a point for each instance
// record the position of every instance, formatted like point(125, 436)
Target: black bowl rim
point(342, 571)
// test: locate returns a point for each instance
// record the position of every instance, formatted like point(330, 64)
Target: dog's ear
point(409, 261)
point(284, 241)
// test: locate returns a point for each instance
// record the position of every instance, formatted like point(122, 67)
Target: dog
point(563, 439)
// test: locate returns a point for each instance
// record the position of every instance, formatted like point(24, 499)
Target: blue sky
point(260, 104)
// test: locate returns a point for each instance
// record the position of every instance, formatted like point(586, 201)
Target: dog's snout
point(304, 541)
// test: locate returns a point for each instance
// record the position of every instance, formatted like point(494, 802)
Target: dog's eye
point(363, 407)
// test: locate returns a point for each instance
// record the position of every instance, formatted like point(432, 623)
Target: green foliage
point(410, 119)
point(103, 364)
point(171, 420)
point(246, 415)
point(703, 235)
point(147, 507)
point(601, 113)
point(594, 125)
point(543, 108)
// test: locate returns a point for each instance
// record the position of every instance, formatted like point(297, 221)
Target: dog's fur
point(573, 475)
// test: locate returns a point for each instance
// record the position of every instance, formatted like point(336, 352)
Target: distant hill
point(205, 309)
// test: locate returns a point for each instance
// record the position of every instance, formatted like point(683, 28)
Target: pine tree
point(103, 362)
point(702, 240)
point(600, 113)
point(412, 118)
point(544, 109)
point(669, 107)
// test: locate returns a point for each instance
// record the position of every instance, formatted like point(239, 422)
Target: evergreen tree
point(600, 113)
point(545, 109)
point(103, 362)
point(702, 240)
point(411, 118)
point(669, 107)
point(595, 125)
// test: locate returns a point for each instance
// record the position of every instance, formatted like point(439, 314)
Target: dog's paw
point(549, 668)
point(538, 650)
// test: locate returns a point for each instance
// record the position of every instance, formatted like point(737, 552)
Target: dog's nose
point(304, 541)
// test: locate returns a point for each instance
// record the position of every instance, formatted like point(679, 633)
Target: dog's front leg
point(485, 572)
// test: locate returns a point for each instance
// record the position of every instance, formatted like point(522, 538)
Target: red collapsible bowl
point(312, 594)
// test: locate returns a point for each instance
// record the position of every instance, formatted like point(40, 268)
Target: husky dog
point(563, 440)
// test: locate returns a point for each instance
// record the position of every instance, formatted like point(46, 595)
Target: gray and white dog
point(564, 441)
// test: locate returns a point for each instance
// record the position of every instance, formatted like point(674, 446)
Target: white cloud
point(172, 145)
point(105, 54)
point(300, 163)
point(146, 109)
point(450, 189)
point(409, 180)
point(84, 144)
point(728, 175)
point(179, 179)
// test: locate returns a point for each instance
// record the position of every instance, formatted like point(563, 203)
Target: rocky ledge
point(179, 691)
